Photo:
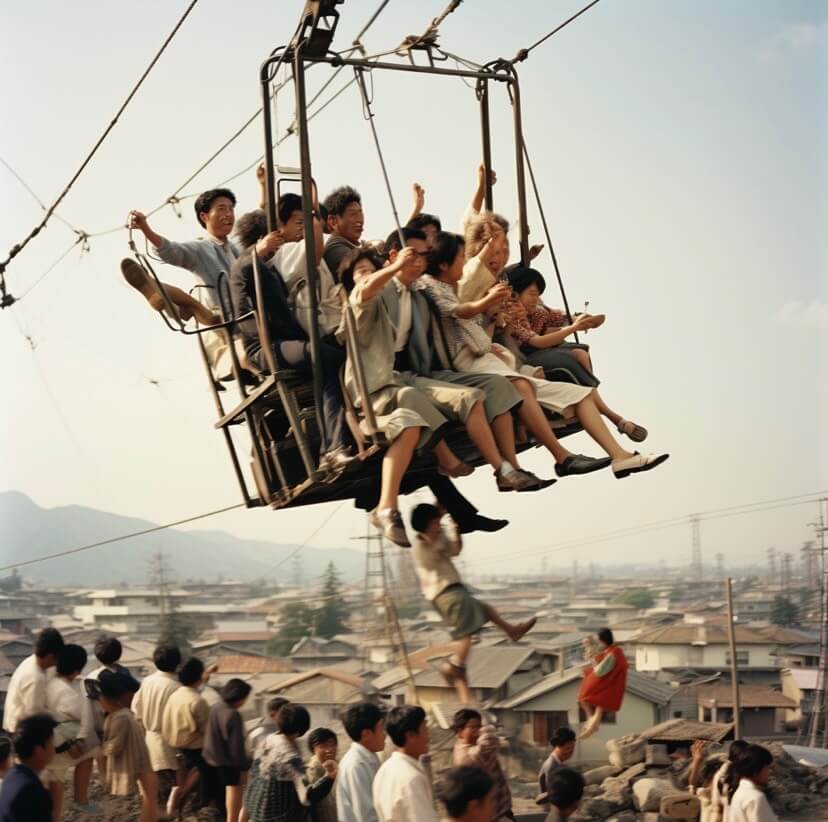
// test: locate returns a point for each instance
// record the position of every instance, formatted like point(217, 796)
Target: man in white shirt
point(749, 803)
point(27, 688)
point(365, 724)
point(151, 700)
point(402, 789)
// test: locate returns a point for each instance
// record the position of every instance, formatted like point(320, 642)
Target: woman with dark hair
point(749, 774)
point(277, 791)
point(471, 350)
point(605, 681)
point(541, 334)
point(719, 789)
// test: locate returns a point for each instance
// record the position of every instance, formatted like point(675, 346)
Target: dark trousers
point(331, 358)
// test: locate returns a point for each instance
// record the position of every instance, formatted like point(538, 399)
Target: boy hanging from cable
point(440, 582)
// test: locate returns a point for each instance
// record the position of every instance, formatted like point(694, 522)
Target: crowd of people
point(175, 743)
point(446, 331)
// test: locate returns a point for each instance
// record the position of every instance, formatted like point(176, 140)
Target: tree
point(331, 616)
point(784, 612)
point(176, 629)
point(641, 598)
point(297, 620)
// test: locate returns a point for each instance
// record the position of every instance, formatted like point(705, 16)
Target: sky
point(680, 152)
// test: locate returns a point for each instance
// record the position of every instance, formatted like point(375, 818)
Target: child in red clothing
point(604, 684)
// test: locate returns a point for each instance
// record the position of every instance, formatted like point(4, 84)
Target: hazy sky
point(680, 147)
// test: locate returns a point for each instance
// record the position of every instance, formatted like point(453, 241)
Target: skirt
point(558, 397)
point(399, 407)
point(559, 364)
point(460, 611)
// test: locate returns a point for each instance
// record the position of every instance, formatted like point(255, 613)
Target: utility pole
point(696, 569)
point(818, 711)
point(786, 574)
point(772, 565)
point(734, 667)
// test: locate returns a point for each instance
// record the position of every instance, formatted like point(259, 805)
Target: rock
point(633, 773)
point(626, 750)
point(648, 793)
point(657, 755)
point(597, 808)
point(592, 790)
point(824, 789)
point(680, 806)
point(615, 784)
point(597, 775)
point(624, 816)
point(618, 800)
point(796, 802)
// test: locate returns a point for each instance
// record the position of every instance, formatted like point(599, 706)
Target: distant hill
point(28, 531)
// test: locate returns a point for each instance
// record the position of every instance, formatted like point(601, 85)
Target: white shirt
point(749, 804)
point(26, 694)
point(354, 784)
point(404, 321)
point(402, 791)
point(148, 707)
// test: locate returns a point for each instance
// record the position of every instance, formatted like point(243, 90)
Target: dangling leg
point(450, 464)
point(594, 425)
point(593, 723)
point(513, 631)
point(453, 669)
point(386, 516)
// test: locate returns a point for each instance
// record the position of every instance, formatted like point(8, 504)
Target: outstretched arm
point(138, 219)
point(419, 201)
point(479, 196)
point(496, 295)
point(374, 283)
point(556, 337)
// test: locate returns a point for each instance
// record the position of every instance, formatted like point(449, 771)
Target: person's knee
point(523, 387)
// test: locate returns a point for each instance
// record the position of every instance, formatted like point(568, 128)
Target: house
point(800, 684)
point(494, 673)
point(15, 648)
point(325, 692)
point(705, 649)
point(125, 610)
point(260, 673)
point(313, 652)
point(682, 732)
point(535, 712)
point(763, 710)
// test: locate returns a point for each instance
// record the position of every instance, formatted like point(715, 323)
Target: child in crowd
point(322, 744)
point(563, 747)
point(75, 741)
point(127, 757)
point(183, 726)
point(749, 776)
point(442, 586)
point(224, 748)
point(605, 681)
point(720, 789)
point(564, 792)
point(541, 333)
point(477, 745)
point(402, 788)
point(26, 693)
point(471, 350)
point(268, 724)
point(365, 725)
point(468, 795)
point(278, 792)
point(23, 797)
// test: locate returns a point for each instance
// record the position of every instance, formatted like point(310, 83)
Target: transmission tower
point(159, 577)
point(720, 571)
point(772, 565)
point(696, 555)
point(787, 559)
point(818, 711)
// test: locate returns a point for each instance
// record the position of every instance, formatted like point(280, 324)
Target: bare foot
point(589, 728)
point(519, 630)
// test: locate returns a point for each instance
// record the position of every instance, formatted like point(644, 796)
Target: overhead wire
point(52, 267)
point(524, 53)
point(8, 299)
point(658, 525)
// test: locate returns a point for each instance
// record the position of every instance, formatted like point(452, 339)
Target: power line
point(92, 545)
point(659, 525)
point(7, 299)
point(524, 53)
point(313, 533)
point(51, 268)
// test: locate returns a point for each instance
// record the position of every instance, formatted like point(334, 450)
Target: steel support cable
point(37, 199)
point(524, 53)
point(542, 214)
point(144, 532)
point(16, 249)
point(51, 268)
point(368, 114)
point(430, 33)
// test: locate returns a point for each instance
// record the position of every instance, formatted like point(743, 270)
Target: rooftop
point(700, 635)
point(686, 730)
point(750, 696)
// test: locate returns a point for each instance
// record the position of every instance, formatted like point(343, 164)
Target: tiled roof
point(252, 664)
point(699, 634)
point(750, 696)
point(686, 730)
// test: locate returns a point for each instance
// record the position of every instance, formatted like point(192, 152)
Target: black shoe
point(581, 464)
point(481, 523)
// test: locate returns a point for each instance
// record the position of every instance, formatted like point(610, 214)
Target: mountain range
point(28, 531)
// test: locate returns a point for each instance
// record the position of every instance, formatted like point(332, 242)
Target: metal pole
point(310, 234)
point(521, 175)
point(486, 133)
point(270, 171)
point(818, 710)
point(734, 668)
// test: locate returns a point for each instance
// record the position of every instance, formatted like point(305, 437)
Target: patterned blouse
point(524, 325)
point(460, 333)
point(277, 791)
